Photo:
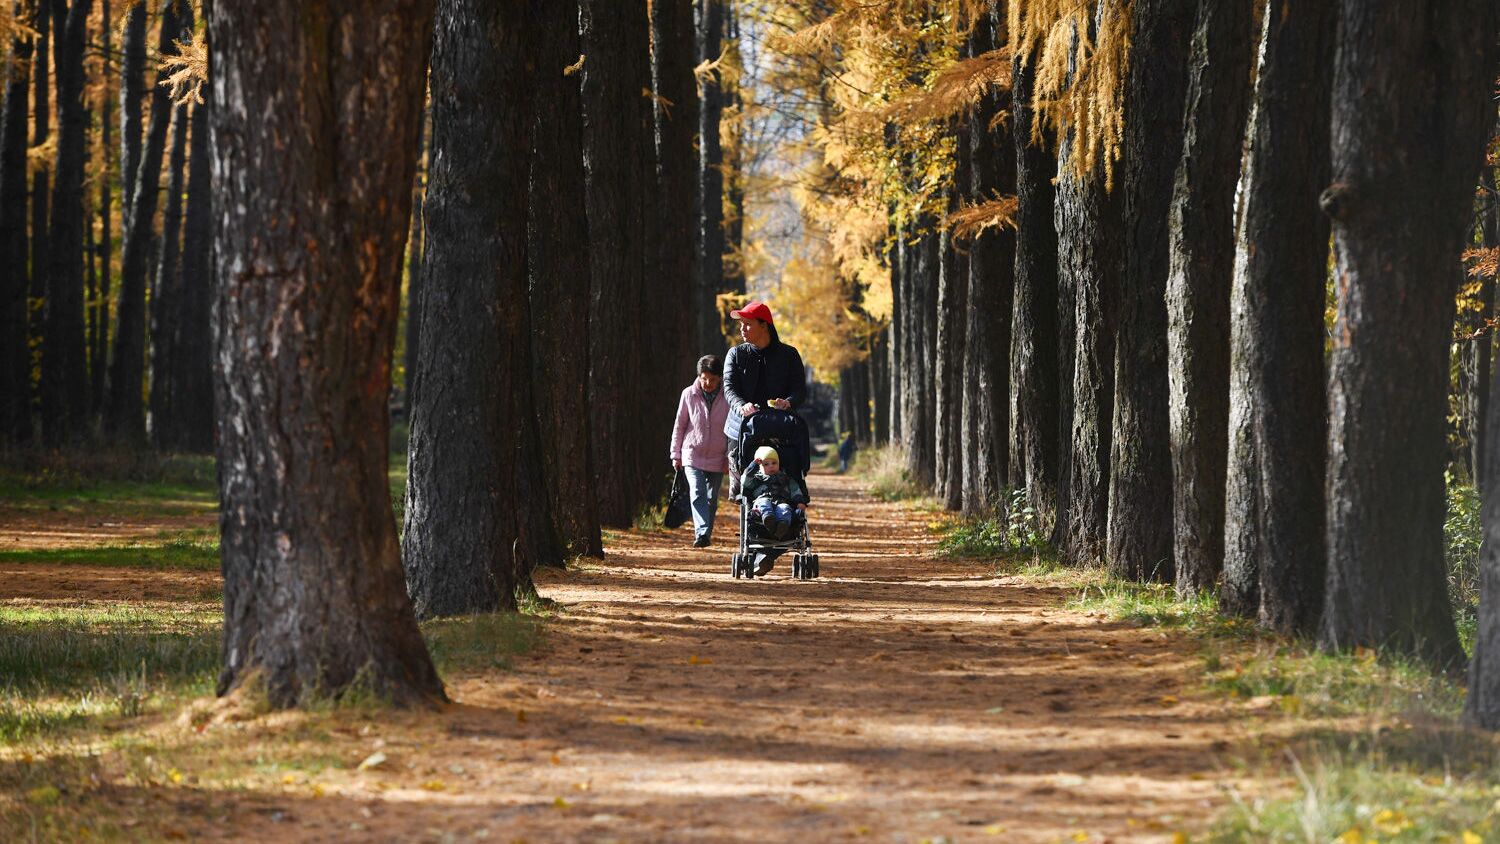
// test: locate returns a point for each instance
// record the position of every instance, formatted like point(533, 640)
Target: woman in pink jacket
point(698, 444)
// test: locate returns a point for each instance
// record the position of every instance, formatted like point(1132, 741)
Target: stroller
point(787, 433)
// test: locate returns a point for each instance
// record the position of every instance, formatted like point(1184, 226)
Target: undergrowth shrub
point(884, 469)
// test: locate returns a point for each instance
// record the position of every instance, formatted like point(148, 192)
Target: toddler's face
point(770, 467)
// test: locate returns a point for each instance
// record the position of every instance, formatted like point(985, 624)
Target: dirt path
point(899, 698)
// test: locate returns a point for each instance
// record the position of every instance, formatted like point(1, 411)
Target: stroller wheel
point(799, 567)
point(815, 562)
point(734, 566)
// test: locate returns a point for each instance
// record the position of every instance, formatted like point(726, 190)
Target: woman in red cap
point(761, 372)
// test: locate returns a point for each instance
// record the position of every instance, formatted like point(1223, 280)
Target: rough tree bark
point(992, 268)
point(100, 351)
point(880, 389)
point(558, 249)
point(1273, 555)
point(65, 390)
point(477, 513)
point(132, 92)
point(192, 366)
point(612, 143)
point(41, 130)
point(166, 295)
point(920, 289)
point(316, 127)
point(949, 378)
point(1201, 247)
point(15, 362)
point(1404, 168)
point(125, 412)
point(710, 200)
point(1477, 352)
point(1034, 403)
point(895, 338)
point(1140, 478)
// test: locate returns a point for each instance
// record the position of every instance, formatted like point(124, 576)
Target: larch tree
point(315, 130)
point(1412, 86)
point(558, 251)
point(477, 512)
point(673, 40)
point(191, 367)
point(99, 340)
point(1201, 246)
point(616, 71)
point(65, 408)
point(166, 290)
point(992, 266)
point(125, 411)
point(710, 198)
point(15, 357)
point(1273, 554)
point(41, 193)
point(1140, 479)
point(132, 97)
point(949, 377)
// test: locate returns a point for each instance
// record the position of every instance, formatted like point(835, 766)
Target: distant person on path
point(698, 445)
point(847, 448)
point(761, 372)
point(777, 497)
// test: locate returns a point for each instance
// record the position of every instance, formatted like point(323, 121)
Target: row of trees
point(98, 337)
point(1116, 301)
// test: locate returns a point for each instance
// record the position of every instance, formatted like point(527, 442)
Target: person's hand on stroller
point(781, 404)
point(746, 409)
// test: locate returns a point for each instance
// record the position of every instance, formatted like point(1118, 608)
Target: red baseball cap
point(753, 310)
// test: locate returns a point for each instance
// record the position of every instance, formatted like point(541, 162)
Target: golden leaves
point(187, 71)
point(970, 221)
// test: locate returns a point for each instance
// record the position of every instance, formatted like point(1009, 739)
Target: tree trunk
point(1140, 480)
point(41, 192)
point(919, 283)
point(65, 391)
point(166, 297)
point(675, 47)
point(1404, 167)
point(192, 368)
point(132, 93)
point(992, 267)
point(317, 130)
point(949, 374)
point(1034, 338)
point(1201, 248)
point(896, 340)
point(1478, 350)
point(477, 512)
point(106, 239)
point(15, 356)
point(614, 40)
point(124, 415)
point(1273, 556)
point(415, 257)
point(880, 388)
point(558, 249)
point(710, 202)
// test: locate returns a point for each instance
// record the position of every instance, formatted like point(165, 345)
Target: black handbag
point(679, 509)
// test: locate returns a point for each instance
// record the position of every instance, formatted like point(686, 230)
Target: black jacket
point(758, 375)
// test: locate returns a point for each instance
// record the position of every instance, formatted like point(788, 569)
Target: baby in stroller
point(777, 500)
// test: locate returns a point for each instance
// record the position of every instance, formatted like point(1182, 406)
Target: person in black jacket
point(759, 373)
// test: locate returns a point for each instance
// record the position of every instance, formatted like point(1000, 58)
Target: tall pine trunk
point(41, 195)
point(919, 287)
point(125, 412)
point(879, 388)
point(1273, 549)
point(710, 199)
point(317, 129)
point(477, 514)
point(558, 250)
point(1140, 479)
point(1404, 169)
point(192, 370)
point(949, 378)
point(15, 357)
point(992, 269)
point(166, 296)
point(65, 393)
point(100, 352)
point(1201, 246)
point(132, 95)
point(1035, 381)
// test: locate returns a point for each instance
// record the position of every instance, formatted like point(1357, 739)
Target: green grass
point(81, 667)
point(194, 550)
point(108, 481)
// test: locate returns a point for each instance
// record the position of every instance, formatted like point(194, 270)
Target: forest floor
point(901, 697)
